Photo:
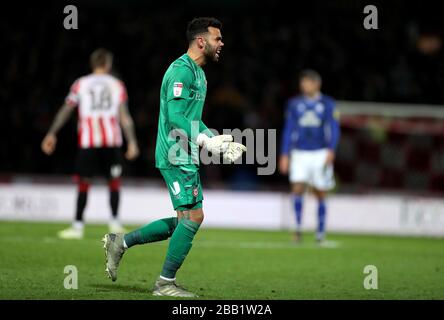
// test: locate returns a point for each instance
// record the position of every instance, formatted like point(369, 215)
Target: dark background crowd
point(266, 45)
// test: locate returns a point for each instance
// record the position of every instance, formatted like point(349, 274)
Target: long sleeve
point(332, 123)
point(204, 129)
point(286, 133)
point(178, 92)
point(177, 118)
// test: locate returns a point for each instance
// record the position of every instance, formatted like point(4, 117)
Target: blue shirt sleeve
point(286, 133)
point(332, 124)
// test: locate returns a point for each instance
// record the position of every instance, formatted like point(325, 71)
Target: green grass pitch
point(223, 264)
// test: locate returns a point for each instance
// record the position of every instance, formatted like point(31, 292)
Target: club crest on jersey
point(177, 89)
point(195, 192)
point(319, 108)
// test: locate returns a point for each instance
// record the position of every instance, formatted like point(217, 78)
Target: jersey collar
point(191, 61)
point(311, 100)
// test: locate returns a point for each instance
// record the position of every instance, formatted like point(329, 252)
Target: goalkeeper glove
point(234, 151)
point(216, 144)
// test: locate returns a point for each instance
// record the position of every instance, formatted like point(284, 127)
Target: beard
point(211, 53)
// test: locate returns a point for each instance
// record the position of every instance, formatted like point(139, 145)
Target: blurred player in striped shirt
point(101, 103)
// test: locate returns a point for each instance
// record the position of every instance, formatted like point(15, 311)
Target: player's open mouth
point(218, 53)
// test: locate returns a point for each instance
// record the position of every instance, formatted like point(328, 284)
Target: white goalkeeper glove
point(234, 151)
point(216, 144)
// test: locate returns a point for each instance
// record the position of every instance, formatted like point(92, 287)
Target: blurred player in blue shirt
point(309, 139)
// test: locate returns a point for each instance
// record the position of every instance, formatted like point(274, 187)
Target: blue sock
point(298, 211)
point(321, 216)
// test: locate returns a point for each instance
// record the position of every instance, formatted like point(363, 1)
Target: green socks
point(155, 231)
point(180, 245)
point(181, 233)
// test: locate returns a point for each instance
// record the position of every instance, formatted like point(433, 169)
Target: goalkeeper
point(182, 99)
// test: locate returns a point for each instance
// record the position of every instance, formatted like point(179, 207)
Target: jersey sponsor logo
point(309, 119)
point(177, 89)
point(199, 96)
point(175, 188)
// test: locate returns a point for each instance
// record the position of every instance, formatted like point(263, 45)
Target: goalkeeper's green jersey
point(182, 97)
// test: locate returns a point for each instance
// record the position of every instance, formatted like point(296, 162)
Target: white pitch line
point(328, 244)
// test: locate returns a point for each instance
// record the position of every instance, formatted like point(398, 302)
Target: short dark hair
point(100, 58)
point(200, 25)
point(310, 74)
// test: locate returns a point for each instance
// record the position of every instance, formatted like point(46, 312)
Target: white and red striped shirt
point(98, 97)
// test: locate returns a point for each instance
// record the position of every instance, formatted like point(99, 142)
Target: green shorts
point(184, 188)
